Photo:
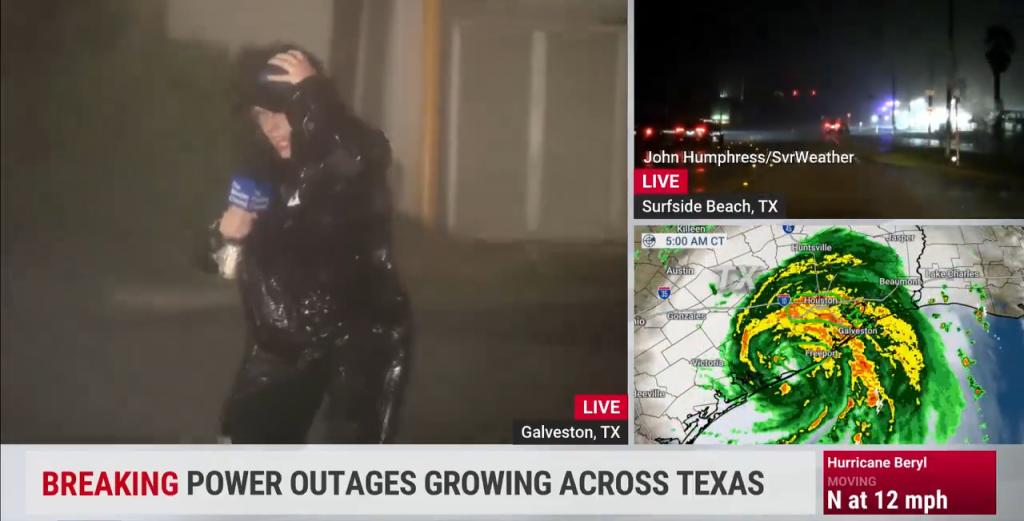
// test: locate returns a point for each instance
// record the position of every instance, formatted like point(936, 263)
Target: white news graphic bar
point(787, 480)
point(660, 241)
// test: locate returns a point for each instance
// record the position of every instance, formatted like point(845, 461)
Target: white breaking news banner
point(398, 480)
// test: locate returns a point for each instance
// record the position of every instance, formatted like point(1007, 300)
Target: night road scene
point(868, 109)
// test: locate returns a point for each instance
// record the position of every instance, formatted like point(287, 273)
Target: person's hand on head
point(295, 64)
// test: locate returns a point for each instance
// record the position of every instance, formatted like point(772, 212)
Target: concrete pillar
point(403, 101)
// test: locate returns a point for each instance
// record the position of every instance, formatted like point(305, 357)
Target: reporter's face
point(277, 130)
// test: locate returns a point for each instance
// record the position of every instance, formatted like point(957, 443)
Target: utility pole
point(956, 125)
point(431, 102)
point(894, 102)
point(930, 92)
point(950, 81)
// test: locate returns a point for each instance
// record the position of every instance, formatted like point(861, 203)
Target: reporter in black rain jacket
point(326, 315)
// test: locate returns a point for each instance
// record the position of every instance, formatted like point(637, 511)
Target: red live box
point(589, 407)
point(916, 482)
point(659, 181)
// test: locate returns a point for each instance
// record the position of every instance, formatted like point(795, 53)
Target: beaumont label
point(910, 281)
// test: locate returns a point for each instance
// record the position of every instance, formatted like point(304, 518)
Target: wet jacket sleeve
point(330, 143)
point(340, 183)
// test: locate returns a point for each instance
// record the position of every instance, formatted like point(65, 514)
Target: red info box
point(660, 181)
point(588, 407)
point(916, 482)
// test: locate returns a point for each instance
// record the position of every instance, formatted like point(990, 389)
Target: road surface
point(124, 343)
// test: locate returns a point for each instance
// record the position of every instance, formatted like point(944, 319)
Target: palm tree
point(999, 45)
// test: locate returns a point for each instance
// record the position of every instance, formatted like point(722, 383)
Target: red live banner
point(587, 407)
point(922, 482)
point(660, 181)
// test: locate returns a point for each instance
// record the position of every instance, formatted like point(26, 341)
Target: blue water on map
point(1000, 371)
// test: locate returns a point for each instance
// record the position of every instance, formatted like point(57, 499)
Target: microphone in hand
point(246, 198)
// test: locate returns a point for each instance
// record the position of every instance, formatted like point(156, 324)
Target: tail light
point(701, 129)
point(680, 130)
point(648, 132)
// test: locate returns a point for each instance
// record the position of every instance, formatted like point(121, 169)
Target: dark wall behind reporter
point(117, 151)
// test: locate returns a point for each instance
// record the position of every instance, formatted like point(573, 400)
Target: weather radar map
point(829, 334)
